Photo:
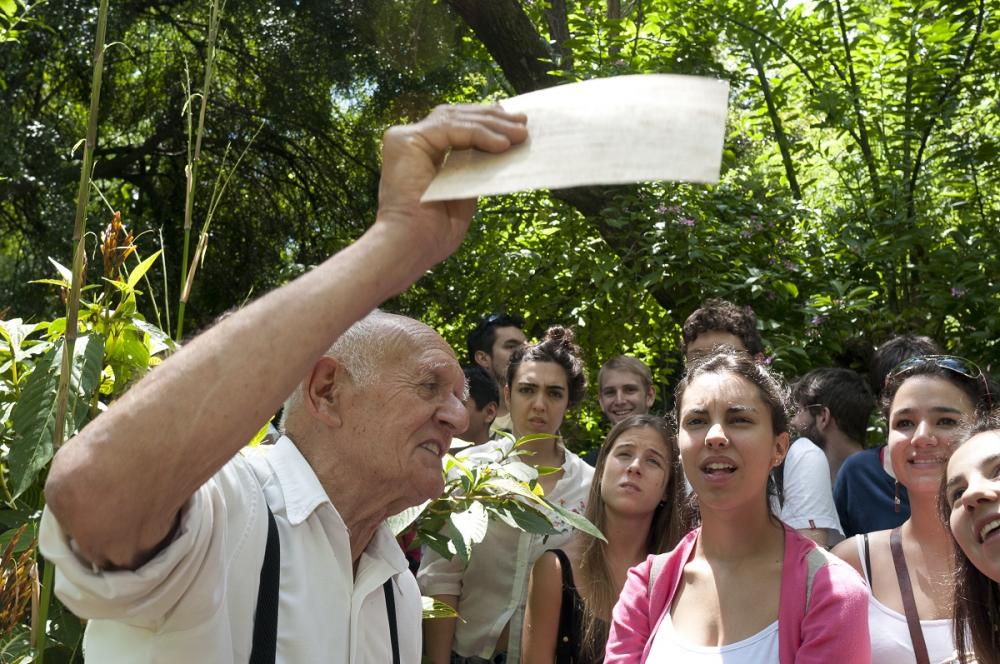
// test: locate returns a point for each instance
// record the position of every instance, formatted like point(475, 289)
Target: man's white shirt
point(195, 601)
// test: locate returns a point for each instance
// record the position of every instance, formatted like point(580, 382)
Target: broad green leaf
point(15, 332)
point(435, 609)
point(136, 274)
point(8, 7)
point(527, 519)
point(159, 340)
point(34, 416)
point(63, 271)
point(578, 521)
point(471, 524)
point(400, 522)
point(520, 470)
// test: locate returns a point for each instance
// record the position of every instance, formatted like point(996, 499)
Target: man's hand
point(411, 156)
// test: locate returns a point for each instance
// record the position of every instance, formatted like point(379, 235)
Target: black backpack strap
point(390, 609)
point(265, 621)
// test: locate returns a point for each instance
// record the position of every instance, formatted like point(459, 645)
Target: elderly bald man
point(160, 530)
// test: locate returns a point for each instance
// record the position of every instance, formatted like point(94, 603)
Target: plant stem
point(192, 166)
point(79, 227)
point(40, 621)
point(73, 301)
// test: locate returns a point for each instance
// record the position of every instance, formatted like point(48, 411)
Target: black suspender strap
point(390, 609)
point(265, 621)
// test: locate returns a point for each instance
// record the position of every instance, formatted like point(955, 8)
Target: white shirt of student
point(195, 601)
point(759, 648)
point(808, 492)
point(492, 590)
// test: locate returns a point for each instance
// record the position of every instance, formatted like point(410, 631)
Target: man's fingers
point(487, 128)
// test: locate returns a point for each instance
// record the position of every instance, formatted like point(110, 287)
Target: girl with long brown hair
point(970, 507)
point(635, 501)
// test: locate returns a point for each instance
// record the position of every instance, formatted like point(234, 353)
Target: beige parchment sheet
point(616, 130)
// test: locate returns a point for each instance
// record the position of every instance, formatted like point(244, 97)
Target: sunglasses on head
point(952, 363)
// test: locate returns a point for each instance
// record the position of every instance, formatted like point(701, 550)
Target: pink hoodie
point(834, 627)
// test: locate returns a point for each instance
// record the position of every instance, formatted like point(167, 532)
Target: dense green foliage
point(859, 194)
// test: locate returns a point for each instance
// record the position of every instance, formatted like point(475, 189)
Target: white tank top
point(761, 648)
point(890, 634)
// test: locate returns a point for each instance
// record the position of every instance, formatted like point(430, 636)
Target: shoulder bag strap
point(265, 621)
point(390, 609)
point(906, 591)
point(564, 636)
point(868, 562)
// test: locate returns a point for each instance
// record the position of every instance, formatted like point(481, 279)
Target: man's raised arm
point(117, 487)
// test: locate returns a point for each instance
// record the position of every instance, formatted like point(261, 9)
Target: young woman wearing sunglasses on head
point(970, 506)
point(742, 588)
point(926, 402)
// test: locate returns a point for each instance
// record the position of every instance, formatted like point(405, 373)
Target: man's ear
point(824, 419)
point(780, 449)
point(650, 396)
point(483, 359)
point(323, 391)
point(490, 412)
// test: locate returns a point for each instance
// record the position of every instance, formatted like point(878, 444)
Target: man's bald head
point(365, 347)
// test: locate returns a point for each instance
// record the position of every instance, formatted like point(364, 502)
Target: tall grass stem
point(191, 171)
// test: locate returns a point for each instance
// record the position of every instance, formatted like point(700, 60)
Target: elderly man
point(162, 537)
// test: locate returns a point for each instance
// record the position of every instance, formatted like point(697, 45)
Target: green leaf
point(64, 271)
point(527, 519)
point(260, 435)
point(435, 609)
point(8, 7)
point(141, 269)
point(159, 340)
point(578, 521)
point(470, 528)
point(55, 282)
point(34, 416)
point(400, 522)
point(520, 471)
point(15, 332)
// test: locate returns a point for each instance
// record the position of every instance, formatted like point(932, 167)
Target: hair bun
point(563, 336)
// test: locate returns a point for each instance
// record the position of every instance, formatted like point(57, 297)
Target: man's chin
point(418, 496)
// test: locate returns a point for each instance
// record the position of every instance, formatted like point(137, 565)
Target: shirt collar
point(303, 493)
point(300, 487)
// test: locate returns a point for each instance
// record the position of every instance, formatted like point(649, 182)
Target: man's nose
point(454, 414)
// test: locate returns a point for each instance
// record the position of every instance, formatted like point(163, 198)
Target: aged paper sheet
point(602, 131)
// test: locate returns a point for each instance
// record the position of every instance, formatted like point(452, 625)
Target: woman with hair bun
point(544, 380)
point(970, 506)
